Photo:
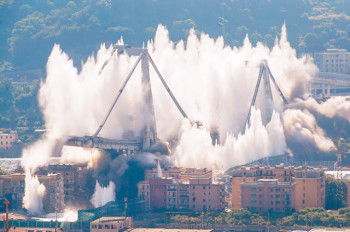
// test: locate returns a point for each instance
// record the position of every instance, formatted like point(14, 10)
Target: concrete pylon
point(268, 95)
point(149, 132)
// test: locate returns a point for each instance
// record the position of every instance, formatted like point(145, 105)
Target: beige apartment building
point(310, 188)
point(333, 60)
point(14, 184)
point(302, 176)
point(74, 180)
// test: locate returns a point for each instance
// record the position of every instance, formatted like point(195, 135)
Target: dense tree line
point(19, 108)
point(305, 217)
point(30, 28)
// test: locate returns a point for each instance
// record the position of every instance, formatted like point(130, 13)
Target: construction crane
point(266, 74)
point(149, 134)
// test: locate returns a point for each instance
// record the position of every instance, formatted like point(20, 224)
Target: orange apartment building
point(304, 197)
point(268, 195)
point(8, 139)
point(310, 189)
point(179, 173)
point(181, 188)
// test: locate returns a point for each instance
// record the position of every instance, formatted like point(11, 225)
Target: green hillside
point(30, 28)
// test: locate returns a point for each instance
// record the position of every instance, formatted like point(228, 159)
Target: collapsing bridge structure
point(148, 137)
point(266, 75)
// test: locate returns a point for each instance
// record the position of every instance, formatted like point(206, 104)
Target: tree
point(336, 193)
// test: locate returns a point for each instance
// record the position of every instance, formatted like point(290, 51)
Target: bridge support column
point(149, 132)
point(328, 90)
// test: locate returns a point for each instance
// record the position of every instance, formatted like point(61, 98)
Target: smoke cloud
point(33, 196)
point(301, 127)
point(103, 195)
point(336, 106)
point(213, 83)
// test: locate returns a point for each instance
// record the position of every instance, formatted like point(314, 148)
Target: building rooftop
point(271, 183)
point(335, 50)
point(109, 220)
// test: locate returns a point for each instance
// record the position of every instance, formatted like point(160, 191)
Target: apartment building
point(179, 173)
point(333, 60)
point(14, 185)
point(115, 224)
point(268, 195)
point(158, 192)
point(74, 179)
point(205, 196)
point(302, 176)
point(181, 191)
point(310, 189)
point(7, 140)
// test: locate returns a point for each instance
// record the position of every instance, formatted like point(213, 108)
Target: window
point(253, 201)
point(253, 189)
point(277, 202)
point(203, 187)
point(253, 195)
point(278, 196)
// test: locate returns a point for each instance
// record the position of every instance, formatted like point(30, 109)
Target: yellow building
point(310, 189)
point(310, 183)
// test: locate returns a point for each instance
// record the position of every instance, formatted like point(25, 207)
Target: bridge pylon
point(266, 75)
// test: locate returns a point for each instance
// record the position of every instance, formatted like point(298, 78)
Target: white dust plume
point(212, 82)
point(103, 195)
point(336, 106)
point(33, 195)
point(301, 127)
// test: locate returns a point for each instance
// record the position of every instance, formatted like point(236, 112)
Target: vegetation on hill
point(305, 217)
point(19, 108)
point(30, 28)
point(4, 172)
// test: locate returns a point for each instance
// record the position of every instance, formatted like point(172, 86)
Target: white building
point(333, 60)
